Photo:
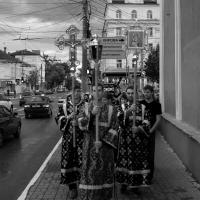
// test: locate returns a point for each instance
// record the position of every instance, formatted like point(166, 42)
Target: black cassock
point(71, 157)
point(133, 167)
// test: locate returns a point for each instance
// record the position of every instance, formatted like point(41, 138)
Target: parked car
point(24, 96)
point(6, 102)
point(10, 124)
point(37, 106)
point(64, 99)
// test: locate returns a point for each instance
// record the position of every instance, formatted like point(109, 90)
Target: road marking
point(38, 173)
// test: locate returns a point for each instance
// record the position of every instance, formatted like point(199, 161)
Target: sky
point(40, 22)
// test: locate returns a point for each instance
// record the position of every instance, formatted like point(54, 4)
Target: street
point(20, 159)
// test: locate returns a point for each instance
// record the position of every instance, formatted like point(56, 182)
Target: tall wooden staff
point(135, 87)
point(74, 110)
point(95, 51)
point(135, 42)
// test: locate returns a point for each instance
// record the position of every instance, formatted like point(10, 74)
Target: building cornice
point(137, 4)
point(131, 22)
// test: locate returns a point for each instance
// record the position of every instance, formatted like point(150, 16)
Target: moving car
point(37, 106)
point(24, 96)
point(10, 124)
point(6, 102)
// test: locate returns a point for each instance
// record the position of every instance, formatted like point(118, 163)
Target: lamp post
point(95, 51)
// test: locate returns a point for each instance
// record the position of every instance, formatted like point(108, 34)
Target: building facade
point(10, 72)
point(179, 79)
point(124, 15)
point(34, 59)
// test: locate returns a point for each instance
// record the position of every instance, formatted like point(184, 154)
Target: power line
point(35, 3)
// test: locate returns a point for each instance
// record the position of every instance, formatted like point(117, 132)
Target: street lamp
point(95, 49)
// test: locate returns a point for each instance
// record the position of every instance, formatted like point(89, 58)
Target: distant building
point(10, 72)
point(35, 60)
point(123, 15)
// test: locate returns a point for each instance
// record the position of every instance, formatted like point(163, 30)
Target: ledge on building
point(186, 128)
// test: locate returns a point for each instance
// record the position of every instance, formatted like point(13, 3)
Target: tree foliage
point(151, 67)
point(55, 75)
point(33, 78)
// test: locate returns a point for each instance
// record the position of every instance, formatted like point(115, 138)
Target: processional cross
point(73, 43)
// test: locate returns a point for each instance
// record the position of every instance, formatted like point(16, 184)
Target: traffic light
point(91, 76)
point(22, 79)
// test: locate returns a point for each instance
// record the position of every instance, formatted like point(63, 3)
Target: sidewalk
point(171, 182)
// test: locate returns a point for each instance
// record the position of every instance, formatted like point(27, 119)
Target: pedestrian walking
point(71, 156)
point(14, 93)
point(97, 175)
point(132, 167)
point(152, 115)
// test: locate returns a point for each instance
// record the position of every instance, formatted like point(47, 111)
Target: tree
point(55, 75)
point(33, 78)
point(151, 67)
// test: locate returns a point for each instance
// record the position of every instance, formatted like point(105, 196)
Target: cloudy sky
point(41, 21)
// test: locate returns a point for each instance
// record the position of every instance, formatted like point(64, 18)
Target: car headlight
point(46, 106)
point(26, 106)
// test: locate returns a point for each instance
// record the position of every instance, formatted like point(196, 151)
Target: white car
point(6, 102)
point(61, 101)
point(64, 99)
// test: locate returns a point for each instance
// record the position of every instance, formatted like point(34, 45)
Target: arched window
point(134, 14)
point(118, 14)
point(149, 14)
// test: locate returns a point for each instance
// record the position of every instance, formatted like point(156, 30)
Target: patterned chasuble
point(132, 167)
point(97, 172)
point(71, 157)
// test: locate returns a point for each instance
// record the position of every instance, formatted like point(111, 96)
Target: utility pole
point(84, 49)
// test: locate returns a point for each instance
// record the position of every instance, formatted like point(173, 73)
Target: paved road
point(20, 159)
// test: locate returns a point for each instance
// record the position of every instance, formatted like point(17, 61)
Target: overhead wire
point(18, 32)
point(98, 15)
point(73, 16)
